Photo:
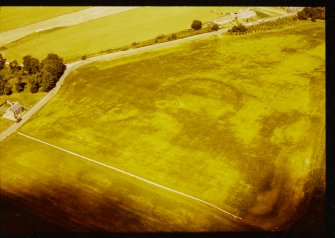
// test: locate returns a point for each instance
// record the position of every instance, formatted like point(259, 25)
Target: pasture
point(14, 17)
point(232, 120)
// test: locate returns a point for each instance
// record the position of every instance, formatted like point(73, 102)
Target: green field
point(14, 17)
point(233, 120)
point(111, 31)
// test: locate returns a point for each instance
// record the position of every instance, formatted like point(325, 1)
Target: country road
point(60, 21)
point(72, 66)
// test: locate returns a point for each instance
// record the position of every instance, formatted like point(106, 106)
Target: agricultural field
point(232, 120)
point(14, 17)
point(111, 32)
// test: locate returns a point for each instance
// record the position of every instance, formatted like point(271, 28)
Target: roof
point(15, 107)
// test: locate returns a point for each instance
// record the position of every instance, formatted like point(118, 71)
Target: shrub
point(215, 27)
point(159, 37)
point(172, 37)
point(124, 48)
point(196, 25)
point(239, 28)
point(83, 57)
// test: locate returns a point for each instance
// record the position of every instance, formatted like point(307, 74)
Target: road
point(60, 21)
point(72, 66)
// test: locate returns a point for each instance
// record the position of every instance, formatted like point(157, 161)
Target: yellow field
point(232, 120)
point(13, 17)
point(112, 31)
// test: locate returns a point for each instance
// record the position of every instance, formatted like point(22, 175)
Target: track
point(132, 175)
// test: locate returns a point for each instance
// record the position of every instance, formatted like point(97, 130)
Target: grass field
point(112, 31)
point(233, 120)
point(13, 17)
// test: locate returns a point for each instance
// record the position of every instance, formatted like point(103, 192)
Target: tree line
point(307, 12)
point(313, 13)
point(38, 75)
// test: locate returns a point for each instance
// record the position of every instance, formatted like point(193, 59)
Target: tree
point(2, 62)
point(14, 66)
point(48, 82)
point(34, 87)
point(2, 84)
point(302, 15)
point(323, 16)
point(196, 25)
point(19, 85)
point(312, 12)
point(54, 65)
point(83, 57)
point(30, 64)
point(8, 89)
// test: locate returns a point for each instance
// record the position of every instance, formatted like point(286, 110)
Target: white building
point(13, 112)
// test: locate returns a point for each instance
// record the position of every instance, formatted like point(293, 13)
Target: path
point(60, 21)
point(132, 175)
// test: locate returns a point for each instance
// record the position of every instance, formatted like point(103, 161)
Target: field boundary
point(132, 175)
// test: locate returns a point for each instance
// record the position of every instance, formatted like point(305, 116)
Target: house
point(12, 113)
point(293, 9)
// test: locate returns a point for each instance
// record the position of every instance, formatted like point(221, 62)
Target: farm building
point(242, 14)
point(12, 113)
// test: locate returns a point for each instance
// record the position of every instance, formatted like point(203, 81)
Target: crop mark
point(131, 175)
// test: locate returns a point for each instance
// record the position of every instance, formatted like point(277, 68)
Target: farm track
point(60, 21)
point(133, 176)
